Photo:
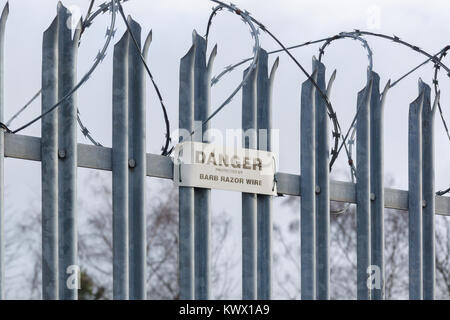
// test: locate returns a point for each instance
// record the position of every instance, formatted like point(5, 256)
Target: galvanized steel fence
point(60, 155)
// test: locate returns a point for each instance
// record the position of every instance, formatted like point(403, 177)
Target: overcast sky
point(424, 24)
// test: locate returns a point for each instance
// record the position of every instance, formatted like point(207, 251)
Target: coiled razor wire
point(366, 46)
point(351, 140)
point(389, 86)
point(436, 91)
point(105, 7)
point(86, 24)
point(356, 33)
point(353, 36)
point(246, 18)
point(331, 113)
point(352, 128)
point(436, 86)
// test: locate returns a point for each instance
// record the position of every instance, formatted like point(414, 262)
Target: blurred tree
point(95, 245)
point(343, 253)
point(89, 290)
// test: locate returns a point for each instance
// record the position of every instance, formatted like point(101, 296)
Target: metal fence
point(60, 155)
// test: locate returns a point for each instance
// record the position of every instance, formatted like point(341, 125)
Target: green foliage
point(89, 290)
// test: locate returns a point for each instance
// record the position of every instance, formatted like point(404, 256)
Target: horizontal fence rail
point(94, 157)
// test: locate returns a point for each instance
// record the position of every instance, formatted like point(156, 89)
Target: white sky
point(424, 24)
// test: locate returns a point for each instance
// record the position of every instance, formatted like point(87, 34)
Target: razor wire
point(398, 80)
point(354, 34)
point(442, 53)
point(351, 140)
point(433, 58)
point(366, 46)
point(86, 24)
point(393, 38)
point(90, 17)
point(18, 113)
point(436, 87)
point(331, 112)
point(89, 11)
point(246, 18)
point(105, 7)
point(399, 41)
point(436, 91)
point(389, 86)
point(165, 149)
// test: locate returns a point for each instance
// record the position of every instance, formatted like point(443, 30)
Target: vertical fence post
point(67, 166)
point(377, 186)
point(264, 203)
point(137, 167)
point(3, 19)
point(49, 169)
point(363, 189)
point(186, 194)
point(415, 195)
point(202, 197)
point(307, 187)
point(120, 170)
point(249, 200)
point(428, 193)
point(322, 186)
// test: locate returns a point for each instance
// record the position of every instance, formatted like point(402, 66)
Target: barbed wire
point(105, 7)
point(86, 23)
point(84, 130)
point(351, 140)
point(366, 46)
point(352, 128)
point(331, 112)
point(246, 18)
point(8, 123)
point(437, 65)
point(354, 34)
point(398, 40)
point(443, 192)
point(389, 86)
point(436, 91)
point(84, 26)
point(89, 11)
point(436, 87)
point(328, 40)
point(165, 149)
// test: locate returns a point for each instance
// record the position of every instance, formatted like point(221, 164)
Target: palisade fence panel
point(60, 156)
